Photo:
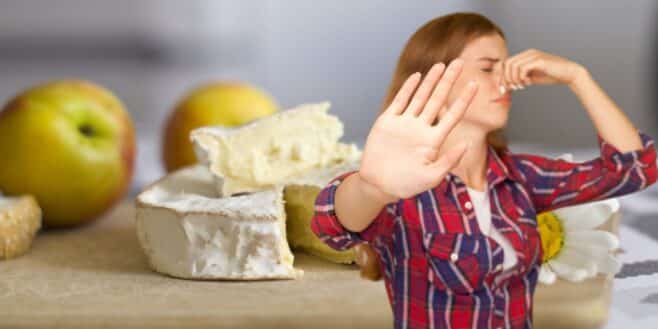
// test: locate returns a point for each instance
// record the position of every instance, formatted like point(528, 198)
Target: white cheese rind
point(268, 151)
point(187, 231)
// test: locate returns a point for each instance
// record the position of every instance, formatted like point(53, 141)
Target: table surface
point(98, 276)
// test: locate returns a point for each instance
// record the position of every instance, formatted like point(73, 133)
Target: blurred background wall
point(150, 52)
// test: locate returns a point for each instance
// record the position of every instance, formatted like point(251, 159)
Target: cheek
point(481, 101)
point(487, 91)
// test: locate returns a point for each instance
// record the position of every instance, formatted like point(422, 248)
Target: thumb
point(449, 160)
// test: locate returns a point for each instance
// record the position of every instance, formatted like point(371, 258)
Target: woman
point(454, 226)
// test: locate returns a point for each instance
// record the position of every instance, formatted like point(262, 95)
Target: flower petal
point(610, 265)
point(567, 271)
point(592, 251)
point(587, 216)
point(601, 239)
point(578, 260)
point(546, 275)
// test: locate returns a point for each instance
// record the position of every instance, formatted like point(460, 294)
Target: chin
point(496, 123)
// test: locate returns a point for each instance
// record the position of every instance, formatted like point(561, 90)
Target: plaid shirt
point(440, 271)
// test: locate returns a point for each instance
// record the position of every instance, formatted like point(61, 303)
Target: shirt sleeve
point(325, 224)
point(556, 183)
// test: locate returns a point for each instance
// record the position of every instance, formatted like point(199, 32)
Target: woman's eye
point(487, 70)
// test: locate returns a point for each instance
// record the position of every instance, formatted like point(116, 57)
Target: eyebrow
point(489, 59)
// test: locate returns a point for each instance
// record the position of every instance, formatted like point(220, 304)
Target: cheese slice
point(269, 151)
point(300, 194)
point(187, 230)
point(20, 220)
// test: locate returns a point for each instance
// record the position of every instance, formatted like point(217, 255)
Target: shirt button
point(562, 184)
point(468, 205)
point(454, 257)
point(499, 267)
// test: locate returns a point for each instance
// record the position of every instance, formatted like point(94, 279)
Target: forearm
point(610, 121)
point(357, 203)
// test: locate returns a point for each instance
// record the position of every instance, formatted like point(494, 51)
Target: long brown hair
point(441, 40)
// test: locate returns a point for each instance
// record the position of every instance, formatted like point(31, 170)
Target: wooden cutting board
point(98, 276)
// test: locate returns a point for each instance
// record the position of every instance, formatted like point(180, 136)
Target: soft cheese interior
point(188, 231)
point(300, 194)
point(271, 150)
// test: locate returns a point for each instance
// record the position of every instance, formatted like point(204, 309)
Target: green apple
point(226, 104)
point(71, 144)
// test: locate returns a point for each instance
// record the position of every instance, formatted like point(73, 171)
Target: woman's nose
point(499, 78)
point(499, 71)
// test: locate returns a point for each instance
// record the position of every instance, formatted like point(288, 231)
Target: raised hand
point(534, 66)
point(400, 157)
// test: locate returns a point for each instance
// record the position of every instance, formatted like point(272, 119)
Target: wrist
point(580, 78)
point(372, 192)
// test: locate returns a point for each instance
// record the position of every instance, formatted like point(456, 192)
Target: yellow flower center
point(551, 233)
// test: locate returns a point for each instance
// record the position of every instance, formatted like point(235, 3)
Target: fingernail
point(501, 89)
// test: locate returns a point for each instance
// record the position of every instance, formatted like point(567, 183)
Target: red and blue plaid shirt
point(440, 271)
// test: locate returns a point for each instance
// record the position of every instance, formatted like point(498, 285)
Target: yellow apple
point(226, 104)
point(71, 144)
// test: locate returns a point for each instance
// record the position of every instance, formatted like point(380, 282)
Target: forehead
point(492, 46)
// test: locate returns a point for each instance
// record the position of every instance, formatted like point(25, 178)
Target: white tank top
point(482, 206)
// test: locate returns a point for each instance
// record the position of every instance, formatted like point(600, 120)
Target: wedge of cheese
point(269, 151)
point(188, 231)
point(20, 220)
point(299, 195)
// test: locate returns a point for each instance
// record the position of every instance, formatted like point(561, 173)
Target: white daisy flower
point(573, 249)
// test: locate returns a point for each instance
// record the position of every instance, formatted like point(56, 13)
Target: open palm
point(401, 153)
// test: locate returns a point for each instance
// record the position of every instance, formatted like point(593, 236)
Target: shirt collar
point(497, 171)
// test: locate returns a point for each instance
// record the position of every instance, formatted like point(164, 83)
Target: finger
point(425, 89)
point(440, 93)
point(513, 69)
point(515, 74)
point(440, 168)
point(510, 67)
point(518, 76)
point(527, 69)
point(399, 103)
point(507, 67)
point(454, 114)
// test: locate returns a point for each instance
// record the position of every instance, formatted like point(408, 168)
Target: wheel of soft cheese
point(188, 231)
